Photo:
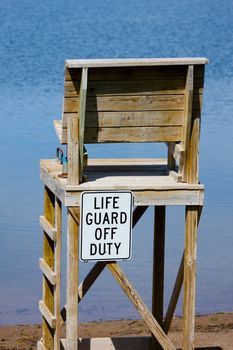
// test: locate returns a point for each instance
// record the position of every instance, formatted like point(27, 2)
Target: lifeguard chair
point(124, 100)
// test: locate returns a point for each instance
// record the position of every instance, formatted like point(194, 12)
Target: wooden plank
point(57, 269)
point(158, 268)
point(140, 306)
point(127, 103)
point(134, 73)
point(174, 297)
point(190, 276)
point(192, 155)
point(152, 197)
point(73, 152)
point(130, 118)
point(132, 87)
point(82, 112)
point(126, 87)
point(187, 118)
point(48, 255)
point(47, 314)
point(115, 343)
point(47, 271)
point(72, 283)
point(49, 229)
point(134, 134)
point(177, 289)
point(119, 62)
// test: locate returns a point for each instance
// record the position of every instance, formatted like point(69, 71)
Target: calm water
point(35, 39)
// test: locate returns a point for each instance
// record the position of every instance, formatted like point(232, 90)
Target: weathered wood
point(131, 134)
point(129, 119)
point(192, 156)
point(158, 267)
point(48, 256)
point(47, 314)
point(174, 297)
point(127, 103)
point(57, 269)
point(73, 152)
point(47, 271)
point(131, 87)
point(190, 276)
point(48, 228)
point(140, 306)
point(187, 118)
point(171, 161)
point(82, 112)
point(72, 283)
point(118, 62)
point(134, 73)
point(176, 290)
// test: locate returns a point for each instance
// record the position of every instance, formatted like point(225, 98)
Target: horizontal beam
point(48, 228)
point(47, 314)
point(47, 271)
point(124, 62)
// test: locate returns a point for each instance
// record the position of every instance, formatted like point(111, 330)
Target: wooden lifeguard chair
point(124, 100)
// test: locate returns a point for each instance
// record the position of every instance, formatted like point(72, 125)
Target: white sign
point(106, 226)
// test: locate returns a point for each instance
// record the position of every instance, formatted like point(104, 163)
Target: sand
point(213, 332)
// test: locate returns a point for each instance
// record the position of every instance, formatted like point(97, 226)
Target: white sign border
point(81, 218)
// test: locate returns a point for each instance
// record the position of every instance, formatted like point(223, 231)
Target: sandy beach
point(213, 332)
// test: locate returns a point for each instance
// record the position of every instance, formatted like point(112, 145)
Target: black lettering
point(107, 202)
point(89, 221)
point(93, 249)
point(109, 248)
point(104, 249)
point(114, 217)
point(115, 202)
point(98, 234)
point(117, 246)
point(106, 219)
point(95, 203)
point(97, 218)
point(123, 217)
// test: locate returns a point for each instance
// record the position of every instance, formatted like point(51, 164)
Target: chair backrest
point(133, 100)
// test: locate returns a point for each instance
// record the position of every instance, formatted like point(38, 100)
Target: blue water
point(35, 39)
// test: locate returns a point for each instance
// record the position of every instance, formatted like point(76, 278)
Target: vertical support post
point(187, 120)
point(171, 162)
point(73, 151)
point(57, 270)
point(48, 255)
point(82, 111)
point(72, 283)
point(158, 268)
point(190, 276)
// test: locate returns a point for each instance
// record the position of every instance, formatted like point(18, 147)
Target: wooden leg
point(57, 270)
point(72, 283)
point(48, 256)
point(158, 268)
point(192, 213)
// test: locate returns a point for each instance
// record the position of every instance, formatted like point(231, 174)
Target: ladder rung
point(48, 228)
point(47, 271)
point(41, 346)
point(47, 314)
